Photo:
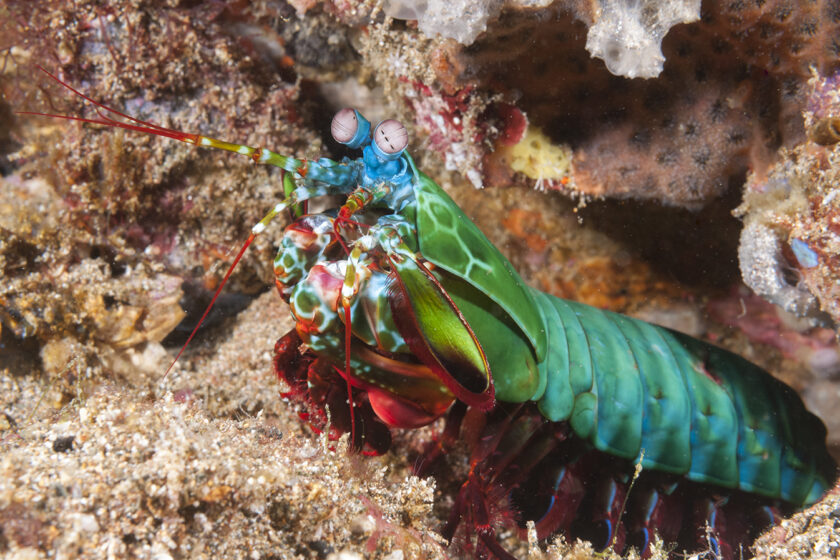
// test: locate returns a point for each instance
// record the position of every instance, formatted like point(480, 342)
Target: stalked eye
point(390, 137)
point(350, 128)
point(344, 125)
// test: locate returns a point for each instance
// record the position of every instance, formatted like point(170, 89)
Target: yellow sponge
point(536, 157)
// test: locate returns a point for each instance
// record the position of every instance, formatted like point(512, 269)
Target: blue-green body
point(695, 409)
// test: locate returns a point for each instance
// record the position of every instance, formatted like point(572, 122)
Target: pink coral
point(763, 322)
point(730, 94)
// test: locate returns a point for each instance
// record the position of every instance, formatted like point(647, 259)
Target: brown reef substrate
point(103, 230)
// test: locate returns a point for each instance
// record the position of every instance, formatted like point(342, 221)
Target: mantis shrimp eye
point(390, 139)
point(350, 128)
point(344, 125)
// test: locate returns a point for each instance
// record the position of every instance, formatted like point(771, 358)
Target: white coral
point(402, 9)
point(628, 34)
point(462, 20)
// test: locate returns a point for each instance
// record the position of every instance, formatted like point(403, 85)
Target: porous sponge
point(462, 20)
point(627, 35)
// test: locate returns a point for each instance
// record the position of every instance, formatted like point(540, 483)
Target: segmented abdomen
point(695, 409)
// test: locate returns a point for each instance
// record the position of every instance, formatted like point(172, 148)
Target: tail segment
point(697, 410)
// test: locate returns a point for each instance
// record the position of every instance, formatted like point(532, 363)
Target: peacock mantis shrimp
point(405, 312)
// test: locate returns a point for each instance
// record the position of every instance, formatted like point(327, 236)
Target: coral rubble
point(791, 239)
point(208, 470)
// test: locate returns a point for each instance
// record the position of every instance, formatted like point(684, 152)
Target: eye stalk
point(390, 139)
point(350, 128)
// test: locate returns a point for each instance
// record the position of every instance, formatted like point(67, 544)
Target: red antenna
point(212, 301)
point(150, 128)
point(102, 111)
